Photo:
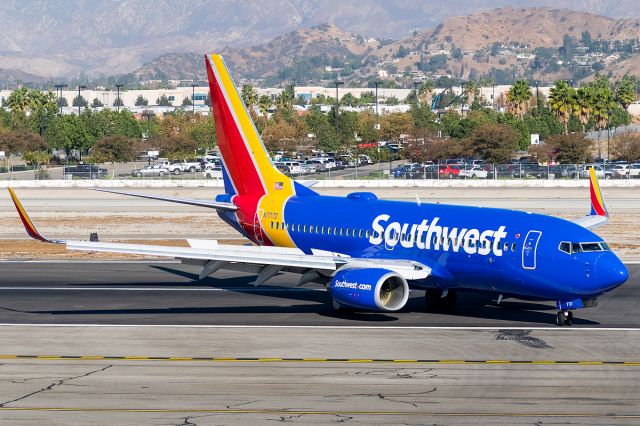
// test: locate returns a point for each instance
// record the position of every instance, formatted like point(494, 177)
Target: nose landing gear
point(440, 300)
point(564, 317)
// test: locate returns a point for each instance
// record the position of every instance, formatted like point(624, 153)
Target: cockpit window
point(591, 247)
point(571, 248)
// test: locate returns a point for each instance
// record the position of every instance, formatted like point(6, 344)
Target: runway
point(141, 343)
point(140, 293)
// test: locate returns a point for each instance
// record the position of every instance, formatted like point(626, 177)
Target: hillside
point(104, 37)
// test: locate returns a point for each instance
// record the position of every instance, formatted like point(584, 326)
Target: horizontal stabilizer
point(188, 201)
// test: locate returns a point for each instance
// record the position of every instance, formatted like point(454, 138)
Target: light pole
point(59, 88)
point(337, 83)
point(118, 101)
point(609, 133)
point(538, 96)
point(193, 100)
point(415, 91)
point(462, 83)
point(80, 87)
point(493, 97)
point(377, 83)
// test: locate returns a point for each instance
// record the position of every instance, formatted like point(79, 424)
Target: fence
point(380, 171)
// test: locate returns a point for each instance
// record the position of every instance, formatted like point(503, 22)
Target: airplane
point(368, 252)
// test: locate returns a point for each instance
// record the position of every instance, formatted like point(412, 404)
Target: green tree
point(562, 101)
point(625, 91)
point(141, 101)
point(163, 101)
point(36, 158)
point(68, 132)
point(19, 101)
point(626, 147)
point(187, 101)
point(249, 96)
point(518, 97)
point(118, 102)
point(264, 104)
point(392, 100)
point(583, 106)
point(96, 103)
point(79, 101)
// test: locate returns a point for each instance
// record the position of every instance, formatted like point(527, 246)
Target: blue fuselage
point(473, 248)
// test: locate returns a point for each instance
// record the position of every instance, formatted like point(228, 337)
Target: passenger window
point(271, 225)
point(360, 234)
point(322, 230)
point(367, 234)
point(285, 226)
point(565, 247)
point(513, 247)
point(506, 246)
point(277, 225)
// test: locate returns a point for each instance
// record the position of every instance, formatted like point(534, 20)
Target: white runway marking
point(245, 289)
point(330, 327)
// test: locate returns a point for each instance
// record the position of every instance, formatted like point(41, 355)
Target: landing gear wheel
point(435, 302)
point(564, 318)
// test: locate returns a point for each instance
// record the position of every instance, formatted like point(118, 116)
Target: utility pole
point(59, 88)
point(538, 96)
point(193, 101)
point(80, 87)
point(118, 101)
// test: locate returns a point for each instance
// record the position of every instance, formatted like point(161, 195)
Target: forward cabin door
point(530, 249)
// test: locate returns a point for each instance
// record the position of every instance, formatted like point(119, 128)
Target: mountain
point(53, 38)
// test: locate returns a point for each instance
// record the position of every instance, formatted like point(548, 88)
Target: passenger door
point(529, 250)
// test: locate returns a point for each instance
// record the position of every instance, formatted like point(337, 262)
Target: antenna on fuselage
point(418, 200)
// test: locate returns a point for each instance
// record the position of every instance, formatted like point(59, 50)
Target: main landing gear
point(564, 318)
point(440, 300)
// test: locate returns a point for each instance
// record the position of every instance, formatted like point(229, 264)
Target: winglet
point(26, 220)
point(597, 202)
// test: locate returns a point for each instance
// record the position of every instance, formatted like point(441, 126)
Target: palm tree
point(562, 101)
point(518, 97)
point(264, 103)
point(425, 91)
point(249, 96)
point(584, 105)
point(19, 101)
point(625, 91)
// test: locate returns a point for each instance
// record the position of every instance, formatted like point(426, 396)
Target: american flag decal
point(279, 186)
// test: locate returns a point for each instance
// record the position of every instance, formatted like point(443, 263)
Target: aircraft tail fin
point(598, 207)
point(247, 166)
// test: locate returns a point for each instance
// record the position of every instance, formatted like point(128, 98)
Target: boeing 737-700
point(370, 252)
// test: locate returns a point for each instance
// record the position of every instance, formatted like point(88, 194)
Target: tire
point(161, 174)
point(138, 174)
point(607, 176)
point(450, 175)
point(176, 172)
point(627, 176)
point(560, 320)
point(192, 169)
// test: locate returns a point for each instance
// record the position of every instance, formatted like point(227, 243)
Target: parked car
point(634, 170)
point(621, 171)
point(191, 166)
point(405, 169)
point(449, 171)
point(294, 167)
point(429, 171)
point(154, 170)
point(212, 171)
point(174, 167)
point(474, 172)
point(601, 172)
point(84, 171)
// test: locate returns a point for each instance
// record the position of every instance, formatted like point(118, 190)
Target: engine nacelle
point(370, 288)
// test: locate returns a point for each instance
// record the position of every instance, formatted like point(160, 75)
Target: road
point(140, 343)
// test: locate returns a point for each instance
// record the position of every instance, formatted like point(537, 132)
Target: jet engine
point(370, 288)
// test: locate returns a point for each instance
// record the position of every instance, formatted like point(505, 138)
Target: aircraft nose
point(610, 272)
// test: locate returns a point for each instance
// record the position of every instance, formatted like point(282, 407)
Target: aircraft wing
point(189, 201)
point(265, 261)
point(599, 215)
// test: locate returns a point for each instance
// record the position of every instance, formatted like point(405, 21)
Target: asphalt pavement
point(169, 294)
point(142, 343)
